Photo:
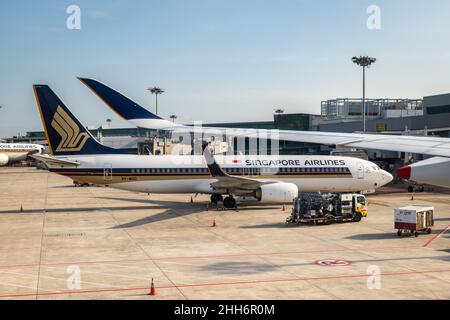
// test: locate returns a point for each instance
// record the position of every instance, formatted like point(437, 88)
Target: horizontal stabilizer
point(54, 161)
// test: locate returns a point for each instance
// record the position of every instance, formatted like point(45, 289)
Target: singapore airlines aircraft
point(14, 152)
point(435, 171)
point(76, 154)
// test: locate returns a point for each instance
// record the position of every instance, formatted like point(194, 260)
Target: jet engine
point(279, 192)
point(435, 171)
point(3, 159)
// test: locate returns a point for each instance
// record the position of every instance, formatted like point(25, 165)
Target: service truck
point(316, 208)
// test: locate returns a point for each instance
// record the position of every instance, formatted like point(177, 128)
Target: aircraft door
point(360, 172)
point(107, 172)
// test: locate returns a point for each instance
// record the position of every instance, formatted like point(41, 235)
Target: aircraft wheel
point(357, 217)
point(410, 189)
point(215, 197)
point(229, 202)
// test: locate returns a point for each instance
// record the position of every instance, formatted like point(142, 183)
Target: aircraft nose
point(386, 177)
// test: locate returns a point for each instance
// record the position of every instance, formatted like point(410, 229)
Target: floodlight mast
point(364, 61)
point(156, 91)
point(173, 117)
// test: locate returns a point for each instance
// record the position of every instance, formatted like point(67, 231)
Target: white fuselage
point(189, 174)
point(13, 152)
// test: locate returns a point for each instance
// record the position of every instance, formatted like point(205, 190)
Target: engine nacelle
point(3, 159)
point(280, 192)
point(435, 171)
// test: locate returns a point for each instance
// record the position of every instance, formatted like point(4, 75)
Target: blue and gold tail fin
point(64, 133)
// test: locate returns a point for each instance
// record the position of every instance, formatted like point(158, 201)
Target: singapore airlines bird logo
point(71, 138)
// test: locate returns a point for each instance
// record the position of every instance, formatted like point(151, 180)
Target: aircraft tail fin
point(65, 134)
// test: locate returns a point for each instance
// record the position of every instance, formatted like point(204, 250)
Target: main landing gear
point(216, 198)
point(229, 202)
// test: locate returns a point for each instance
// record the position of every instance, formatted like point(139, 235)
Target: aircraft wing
point(54, 161)
point(413, 144)
point(226, 181)
point(429, 145)
point(140, 117)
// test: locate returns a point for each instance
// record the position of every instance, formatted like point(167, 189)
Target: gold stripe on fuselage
point(100, 179)
point(16, 151)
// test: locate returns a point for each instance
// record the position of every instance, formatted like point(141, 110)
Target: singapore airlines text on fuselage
point(278, 163)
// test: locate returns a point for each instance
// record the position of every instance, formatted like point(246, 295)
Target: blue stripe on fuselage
point(195, 171)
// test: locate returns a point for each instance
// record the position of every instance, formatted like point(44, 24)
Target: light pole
point(173, 117)
point(364, 61)
point(156, 91)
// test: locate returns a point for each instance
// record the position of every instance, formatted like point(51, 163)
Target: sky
point(218, 60)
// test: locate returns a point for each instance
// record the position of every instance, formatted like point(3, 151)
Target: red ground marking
point(192, 257)
point(436, 236)
point(223, 283)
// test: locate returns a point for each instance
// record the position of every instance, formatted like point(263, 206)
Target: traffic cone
point(21, 208)
point(412, 196)
point(214, 223)
point(152, 289)
point(283, 208)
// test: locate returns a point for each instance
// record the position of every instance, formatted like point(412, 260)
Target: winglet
point(213, 167)
point(123, 106)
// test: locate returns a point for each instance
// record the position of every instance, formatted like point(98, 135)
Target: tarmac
point(58, 241)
